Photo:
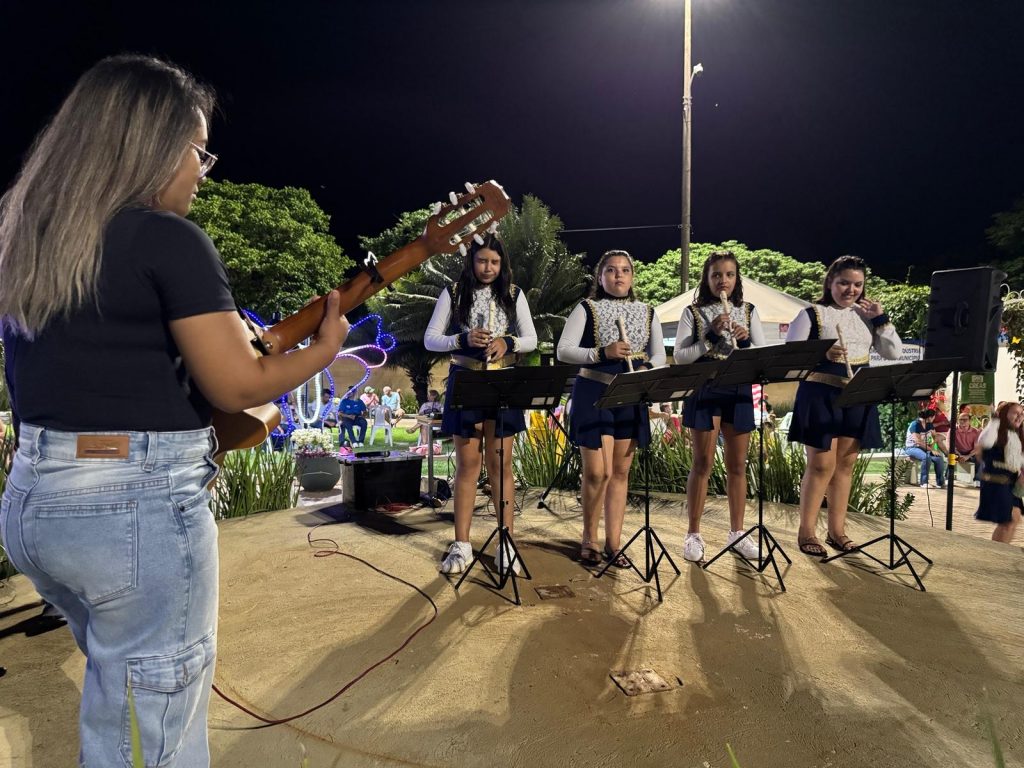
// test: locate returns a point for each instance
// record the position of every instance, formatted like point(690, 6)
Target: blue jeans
point(926, 459)
point(353, 430)
point(126, 548)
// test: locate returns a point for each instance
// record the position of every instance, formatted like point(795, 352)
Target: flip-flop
point(811, 547)
point(589, 555)
point(619, 562)
point(841, 543)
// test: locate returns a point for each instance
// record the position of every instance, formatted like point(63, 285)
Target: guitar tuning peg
point(435, 208)
point(454, 198)
point(470, 188)
point(462, 249)
point(479, 240)
point(493, 228)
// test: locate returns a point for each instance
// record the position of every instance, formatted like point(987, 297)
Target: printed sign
point(977, 388)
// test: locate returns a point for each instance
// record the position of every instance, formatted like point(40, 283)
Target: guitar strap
point(370, 265)
point(255, 330)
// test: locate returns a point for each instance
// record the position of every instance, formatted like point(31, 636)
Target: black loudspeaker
point(965, 313)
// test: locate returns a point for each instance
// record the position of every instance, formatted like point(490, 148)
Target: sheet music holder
point(629, 389)
point(505, 389)
point(893, 384)
point(763, 365)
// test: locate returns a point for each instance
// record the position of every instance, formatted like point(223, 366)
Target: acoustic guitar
point(450, 228)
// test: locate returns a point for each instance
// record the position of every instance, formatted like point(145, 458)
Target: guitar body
point(447, 230)
point(247, 429)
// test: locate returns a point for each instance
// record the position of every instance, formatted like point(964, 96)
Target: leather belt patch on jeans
point(102, 447)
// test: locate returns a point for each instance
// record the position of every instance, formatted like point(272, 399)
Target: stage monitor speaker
point(964, 317)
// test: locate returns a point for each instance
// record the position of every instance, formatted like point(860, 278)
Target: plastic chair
point(381, 420)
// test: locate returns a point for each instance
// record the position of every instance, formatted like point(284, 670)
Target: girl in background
point(484, 321)
point(1002, 456)
point(607, 438)
point(707, 332)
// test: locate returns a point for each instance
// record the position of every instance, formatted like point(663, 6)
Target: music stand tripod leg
point(894, 540)
point(763, 534)
point(651, 561)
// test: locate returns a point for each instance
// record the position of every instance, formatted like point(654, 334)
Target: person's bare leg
point(1004, 531)
point(736, 448)
point(597, 469)
point(703, 444)
point(497, 475)
point(467, 470)
point(615, 493)
point(820, 466)
point(846, 449)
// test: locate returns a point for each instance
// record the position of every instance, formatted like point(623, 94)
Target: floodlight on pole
point(689, 72)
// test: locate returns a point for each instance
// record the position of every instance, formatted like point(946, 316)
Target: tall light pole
point(688, 74)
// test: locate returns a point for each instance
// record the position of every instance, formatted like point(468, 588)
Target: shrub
point(255, 481)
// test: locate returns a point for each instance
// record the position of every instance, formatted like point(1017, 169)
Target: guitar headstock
point(476, 211)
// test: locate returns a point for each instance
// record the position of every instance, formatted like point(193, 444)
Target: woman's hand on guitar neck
point(333, 328)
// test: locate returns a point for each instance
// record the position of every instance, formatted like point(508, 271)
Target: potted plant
point(316, 459)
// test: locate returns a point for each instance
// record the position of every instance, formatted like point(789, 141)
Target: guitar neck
point(287, 334)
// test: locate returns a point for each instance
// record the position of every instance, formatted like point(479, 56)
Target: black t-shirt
point(113, 364)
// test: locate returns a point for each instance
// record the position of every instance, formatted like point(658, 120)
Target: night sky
point(886, 128)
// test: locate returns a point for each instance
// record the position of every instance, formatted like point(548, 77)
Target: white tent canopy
point(775, 308)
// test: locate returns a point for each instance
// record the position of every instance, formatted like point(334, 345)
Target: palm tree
point(553, 278)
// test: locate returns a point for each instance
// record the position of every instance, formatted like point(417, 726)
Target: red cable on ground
point(267, 722)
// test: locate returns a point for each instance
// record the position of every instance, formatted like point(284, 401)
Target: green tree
point(655, 282)
point(275, 243)
point(1007, 234)
point(552, 278)
point(906, 305)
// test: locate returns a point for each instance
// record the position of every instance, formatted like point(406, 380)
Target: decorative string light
point(383, 343)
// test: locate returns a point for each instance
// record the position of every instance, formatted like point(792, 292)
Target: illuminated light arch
point(370, 356)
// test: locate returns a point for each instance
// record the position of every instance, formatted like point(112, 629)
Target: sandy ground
point(851, 666)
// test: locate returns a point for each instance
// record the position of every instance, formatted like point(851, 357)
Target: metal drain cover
point(553, 592)
point(636, 682)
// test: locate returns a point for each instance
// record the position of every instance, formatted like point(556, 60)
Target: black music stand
point(631, 389)
point(893, 384)
point(505, 389)
point(570, 448)
point(763, 365)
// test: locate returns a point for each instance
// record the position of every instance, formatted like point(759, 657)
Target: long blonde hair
point(116, 141)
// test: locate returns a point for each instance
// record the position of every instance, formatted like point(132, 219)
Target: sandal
point(841, 543)
point(589, 554)
point(811, 546)
point(619, 562)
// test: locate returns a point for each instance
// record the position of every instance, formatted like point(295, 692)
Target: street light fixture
point(689, 72)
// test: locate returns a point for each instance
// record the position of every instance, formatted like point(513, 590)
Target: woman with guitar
point(102, 278)
point(484, 321)
point(608, 334)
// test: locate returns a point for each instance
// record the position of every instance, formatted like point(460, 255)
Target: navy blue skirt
point(996, 502)
point(734, 405)
point(462, 423)
point(817, 420)
point(587, 422)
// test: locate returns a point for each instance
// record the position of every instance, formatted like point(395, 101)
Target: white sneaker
point(457, 558)
point(747, 547)
point(693, 548)
point(505, 554)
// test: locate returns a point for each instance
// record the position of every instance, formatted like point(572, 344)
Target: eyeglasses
point(206, 159)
